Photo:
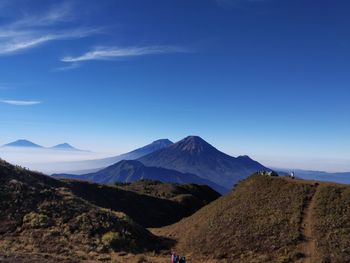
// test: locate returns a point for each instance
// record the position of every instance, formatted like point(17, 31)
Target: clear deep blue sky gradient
point(267, 78)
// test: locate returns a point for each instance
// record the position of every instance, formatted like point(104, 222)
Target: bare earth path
point(308, 246)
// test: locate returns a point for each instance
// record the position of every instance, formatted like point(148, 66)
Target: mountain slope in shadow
point(132, 171)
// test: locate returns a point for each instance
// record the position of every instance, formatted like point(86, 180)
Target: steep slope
point(40, 216)
point(22, 143)
point(260, 221)
point(131, 171)
point(81, 167)
point(196, 156)
point(149, 203)
point(269, 219)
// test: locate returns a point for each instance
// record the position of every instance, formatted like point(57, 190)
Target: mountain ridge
point(127, 171)
point(268, 219)
point(194, 155)
point(90, 166)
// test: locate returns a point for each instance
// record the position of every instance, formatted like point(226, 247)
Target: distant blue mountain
point(196, 156)
point(65, 146)
point(22, 143)
point(28, 144)
point(132, 171)
point(82, 167)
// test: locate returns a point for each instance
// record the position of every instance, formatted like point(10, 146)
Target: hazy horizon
point(45, 157)
point(264, 78)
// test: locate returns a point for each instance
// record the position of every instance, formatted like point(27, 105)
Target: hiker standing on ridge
point(292, 175)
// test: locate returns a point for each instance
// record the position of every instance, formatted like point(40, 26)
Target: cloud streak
point(111, 53)
point(33, 30)
point(21, 102)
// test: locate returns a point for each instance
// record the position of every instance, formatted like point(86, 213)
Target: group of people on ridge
point(177, 259)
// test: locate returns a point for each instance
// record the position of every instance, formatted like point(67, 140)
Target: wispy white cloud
point(109, 53)
point(21, 102)
point(33, 30)
point(56, 14)
point(69, 67)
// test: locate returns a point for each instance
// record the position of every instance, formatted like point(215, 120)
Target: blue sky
point(267, 78)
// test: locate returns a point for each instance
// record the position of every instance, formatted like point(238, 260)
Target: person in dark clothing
point(177, 259)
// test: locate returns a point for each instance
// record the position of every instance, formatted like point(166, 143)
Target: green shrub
point(36, 220)
point(112, 239)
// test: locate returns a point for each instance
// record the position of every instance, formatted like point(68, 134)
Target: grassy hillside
point(260, 221)
point(332, 223)
point(40, 217)
point(204, 194)
point(149, 210)
point(264, 219)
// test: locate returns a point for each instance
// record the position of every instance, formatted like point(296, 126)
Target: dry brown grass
point(40, 219)
point(149, 203)
point(258, 222)
point(332, 223)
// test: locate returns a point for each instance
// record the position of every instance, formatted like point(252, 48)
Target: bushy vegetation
point(149, 203)
point(111, 239)
point(36, 220)
point(40, 215)
point(172, 190)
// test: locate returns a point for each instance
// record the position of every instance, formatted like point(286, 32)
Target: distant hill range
point(28, 144)
point(341, 177)
point(128, 171)
point(90, 166)
point(194, 155)
point(191, 160)
point(22, 143)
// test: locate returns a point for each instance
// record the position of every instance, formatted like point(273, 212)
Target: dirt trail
point(308, 246)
